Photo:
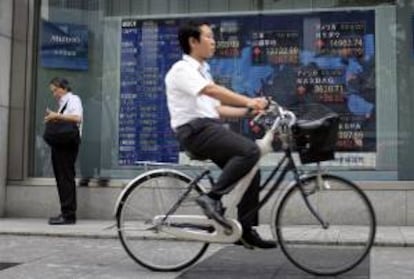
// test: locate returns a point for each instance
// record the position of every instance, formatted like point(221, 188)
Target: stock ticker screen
point(325, 57)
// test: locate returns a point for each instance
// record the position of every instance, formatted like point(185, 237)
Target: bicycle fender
point(142, 176)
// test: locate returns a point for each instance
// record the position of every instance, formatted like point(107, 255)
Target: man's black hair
point(61, 83)
point(190, 29)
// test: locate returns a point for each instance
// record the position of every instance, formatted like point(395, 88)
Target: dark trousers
point(63, 161)
point(232, 152)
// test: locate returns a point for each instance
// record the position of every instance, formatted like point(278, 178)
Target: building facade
point(354, 57)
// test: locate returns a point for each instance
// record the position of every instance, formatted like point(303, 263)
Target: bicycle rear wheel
point(152, 195)
point(347, 239)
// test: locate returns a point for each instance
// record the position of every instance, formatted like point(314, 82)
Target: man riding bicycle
point(196, 104)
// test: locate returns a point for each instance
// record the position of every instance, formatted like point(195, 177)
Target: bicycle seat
point(306, 124)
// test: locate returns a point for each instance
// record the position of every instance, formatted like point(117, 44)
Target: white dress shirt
point(184, 82)
point(73, 106)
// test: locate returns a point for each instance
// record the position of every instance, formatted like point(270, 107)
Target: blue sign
point(64, 46)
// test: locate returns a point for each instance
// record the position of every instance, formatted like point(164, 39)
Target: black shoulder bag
point(61, 133)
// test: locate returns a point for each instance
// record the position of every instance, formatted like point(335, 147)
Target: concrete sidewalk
point(398, 236)
point(40, 227)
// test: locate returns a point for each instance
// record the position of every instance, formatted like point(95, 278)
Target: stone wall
point(6, 11)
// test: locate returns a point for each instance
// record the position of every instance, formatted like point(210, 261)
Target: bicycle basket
point(316, 139)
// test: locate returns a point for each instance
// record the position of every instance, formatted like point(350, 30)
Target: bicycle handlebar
point(283, 116)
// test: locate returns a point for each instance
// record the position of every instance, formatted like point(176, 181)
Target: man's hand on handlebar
point(270, 113)
point(257, 105)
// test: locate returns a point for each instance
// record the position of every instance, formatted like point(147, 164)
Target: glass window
point(354, 57)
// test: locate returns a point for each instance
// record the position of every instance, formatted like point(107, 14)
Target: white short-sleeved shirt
point(184, 82)
point(73, 106)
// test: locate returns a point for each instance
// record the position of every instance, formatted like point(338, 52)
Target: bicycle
point(162, 228)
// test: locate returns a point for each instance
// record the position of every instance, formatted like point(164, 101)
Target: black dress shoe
point(60, 220)
point(213, 209)
point(103, 182)
point(251, 238)
point(84, 182)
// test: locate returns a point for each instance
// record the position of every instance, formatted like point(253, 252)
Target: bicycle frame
point(174, 224)
point(199, 227)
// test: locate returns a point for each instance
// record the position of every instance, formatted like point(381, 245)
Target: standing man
point(196, 104)
point(64, 155)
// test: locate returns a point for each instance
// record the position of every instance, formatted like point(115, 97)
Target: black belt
point(197, 124)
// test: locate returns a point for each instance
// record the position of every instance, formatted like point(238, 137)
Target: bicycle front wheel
point(349, 218)
point(153, 195)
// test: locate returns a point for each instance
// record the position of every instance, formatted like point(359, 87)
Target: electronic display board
point(319, 57)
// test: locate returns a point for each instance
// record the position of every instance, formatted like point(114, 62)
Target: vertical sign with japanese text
point(148, 49)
